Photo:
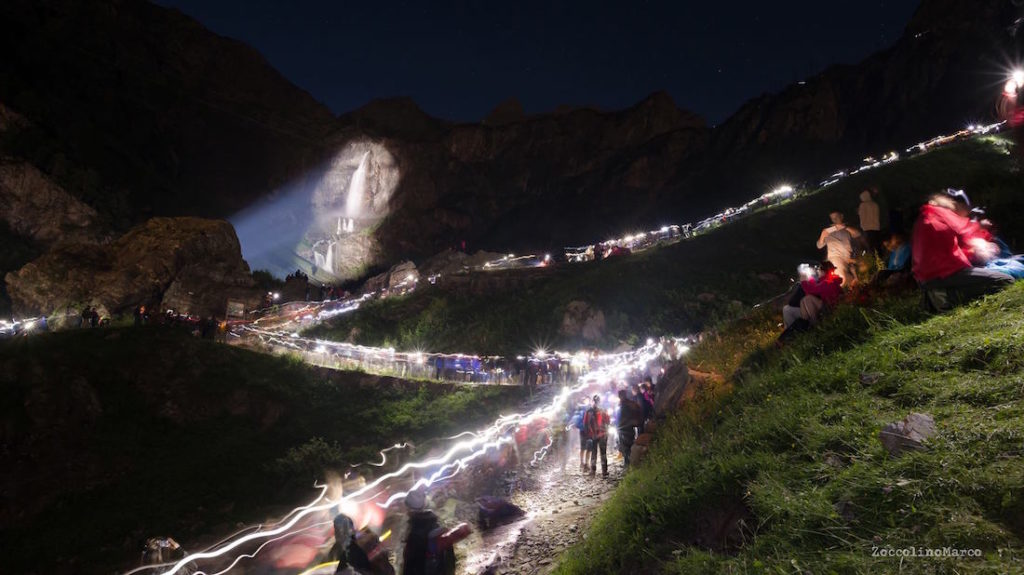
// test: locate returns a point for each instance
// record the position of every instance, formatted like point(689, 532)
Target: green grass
point(656, 292)
point(793, 452)
point(115, 435)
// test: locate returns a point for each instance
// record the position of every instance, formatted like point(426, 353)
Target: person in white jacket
point(870, 220)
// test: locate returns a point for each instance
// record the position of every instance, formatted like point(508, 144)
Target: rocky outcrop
point(672, 389)
point(580, 320)
point(180, 120)
point(507, 112)
point(450, 262)
point(38, 209)
point(400, 276)
point(191, 265)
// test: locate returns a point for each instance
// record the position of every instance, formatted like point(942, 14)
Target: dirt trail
point(559, 505)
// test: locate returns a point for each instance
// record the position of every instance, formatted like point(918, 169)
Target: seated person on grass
point(1005, 260)
point(817, 291)
point(897, 262)
point(950, 252)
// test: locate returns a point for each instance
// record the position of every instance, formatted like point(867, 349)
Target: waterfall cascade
point(357, 189)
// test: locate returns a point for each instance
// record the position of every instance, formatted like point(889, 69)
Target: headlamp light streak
point(316, 568)
point(260, 548)
point(445, 466)
point(538, 455)
point(383, 456)
point(323, 493)
point(390, 361)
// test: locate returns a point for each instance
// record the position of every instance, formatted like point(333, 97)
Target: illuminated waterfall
point(356, 190)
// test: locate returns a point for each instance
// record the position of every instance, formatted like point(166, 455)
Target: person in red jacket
point(946, 247)
point(595, 421)
point(815, 293)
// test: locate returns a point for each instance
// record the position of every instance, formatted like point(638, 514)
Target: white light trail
point(445, 466)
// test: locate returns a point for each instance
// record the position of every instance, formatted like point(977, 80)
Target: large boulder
point(450, 262)
point(191, 265)
point(33, 206)
point(580, 320)
point(671, 388)
point(400, 276)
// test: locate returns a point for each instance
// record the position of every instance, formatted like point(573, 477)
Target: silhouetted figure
point(630, 414)
point(429, 550)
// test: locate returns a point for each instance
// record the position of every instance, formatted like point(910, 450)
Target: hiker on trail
point(140, 315)
point(595, 421)
point(162, 550)
point(647, 396)
point(561, 437)
point(358, 552)
point(429, 549)
point(630, 414)
point(838, 239)
point(637, 396)
point(94, 317)
point(577, 422)
point(870, 220)
point(948, 250)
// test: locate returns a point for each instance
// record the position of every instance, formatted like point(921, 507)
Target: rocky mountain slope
point(137, 110)
point(182, 121)
point(190, 265)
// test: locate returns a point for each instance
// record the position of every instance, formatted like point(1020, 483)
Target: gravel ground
point(559, 506)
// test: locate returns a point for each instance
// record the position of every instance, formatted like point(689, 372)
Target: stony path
point(559, 505)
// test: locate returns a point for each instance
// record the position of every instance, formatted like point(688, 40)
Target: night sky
point(459, 59)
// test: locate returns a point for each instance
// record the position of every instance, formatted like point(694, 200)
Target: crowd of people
point(953, 255)
point(593, 420)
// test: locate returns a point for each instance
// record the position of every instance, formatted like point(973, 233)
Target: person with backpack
point(358, 552)
point(577, 422)
point(647, 393)
point(595, 422)
point(429, 549)
point(630, 413)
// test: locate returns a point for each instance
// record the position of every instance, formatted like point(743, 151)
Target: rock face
point(38, 209)
point(450, 262)
point(938, 73)
point(181, 121)
point(191, 265)
point(582, 321)
point(400, 276)
point(671, 388)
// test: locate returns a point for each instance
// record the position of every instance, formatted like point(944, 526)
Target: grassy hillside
point(111, 436)
point(786, 474)
point(659, 291)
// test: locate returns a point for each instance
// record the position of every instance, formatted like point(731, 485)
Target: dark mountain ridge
point(166, 118)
